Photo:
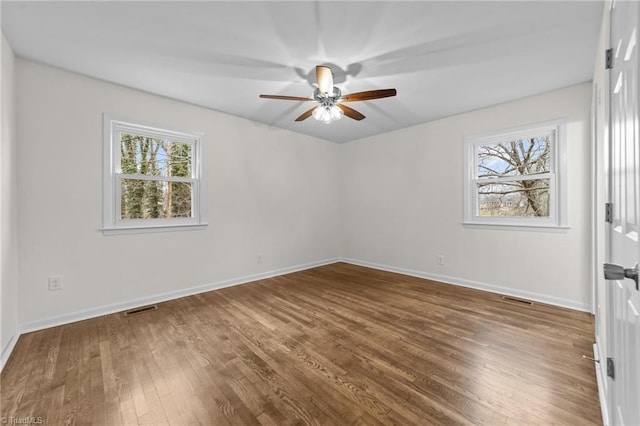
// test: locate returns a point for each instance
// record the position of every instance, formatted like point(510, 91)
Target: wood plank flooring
point(335, 345)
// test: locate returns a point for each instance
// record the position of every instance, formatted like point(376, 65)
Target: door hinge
point(608, 213)
point(608, 61)
point(611, 371)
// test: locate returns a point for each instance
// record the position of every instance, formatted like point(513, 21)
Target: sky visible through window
point(520, 157)
point(526, 161)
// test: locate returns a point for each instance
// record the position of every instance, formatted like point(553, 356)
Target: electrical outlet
point(55, 282)
point(440, 259)
point(259, 258)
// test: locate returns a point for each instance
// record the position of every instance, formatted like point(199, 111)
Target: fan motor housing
point(327, 100)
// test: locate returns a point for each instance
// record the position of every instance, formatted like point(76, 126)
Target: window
point(152, 178)
point(515, 177)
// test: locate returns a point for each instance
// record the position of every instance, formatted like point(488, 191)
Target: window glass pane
point(179, 199)
point(151, 199)
point(527, 198)
point(154, 156)
point(514, 158)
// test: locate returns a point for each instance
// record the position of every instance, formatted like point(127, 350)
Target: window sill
point(152, 229)
point(516, 227)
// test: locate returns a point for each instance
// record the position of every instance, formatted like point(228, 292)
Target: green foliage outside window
point(156, 178)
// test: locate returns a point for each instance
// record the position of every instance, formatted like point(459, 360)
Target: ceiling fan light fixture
point(319, 113)
point(336, 113)
point(327, 110)
point(327, 113)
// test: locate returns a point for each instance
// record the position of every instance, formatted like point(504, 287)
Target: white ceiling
point(442, 57)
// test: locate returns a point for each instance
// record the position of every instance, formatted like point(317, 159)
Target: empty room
point(319, 212)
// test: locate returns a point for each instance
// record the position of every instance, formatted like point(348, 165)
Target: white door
point(624, 186)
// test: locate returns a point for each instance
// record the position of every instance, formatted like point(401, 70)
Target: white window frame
point(557, 176)
point(112, 222)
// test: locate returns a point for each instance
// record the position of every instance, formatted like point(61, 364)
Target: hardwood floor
point(334, 345)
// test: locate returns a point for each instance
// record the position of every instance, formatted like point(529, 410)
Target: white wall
point(392, 200)
point(269, 191)
point(403, 205)
point(8, 202)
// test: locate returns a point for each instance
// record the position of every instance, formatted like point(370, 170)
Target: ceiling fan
point(330, 100)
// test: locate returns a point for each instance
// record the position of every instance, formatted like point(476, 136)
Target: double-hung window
point(152, 178)
point(516, 177)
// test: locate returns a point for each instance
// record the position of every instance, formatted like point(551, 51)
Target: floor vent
point(515, 299)
point(140, 310)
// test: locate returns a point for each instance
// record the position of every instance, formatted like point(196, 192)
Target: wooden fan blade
point(324, 76)
point(368, 95)
point(285, 98)
point(350, 112)
point(306, 114)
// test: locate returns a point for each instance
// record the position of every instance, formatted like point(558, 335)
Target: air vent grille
point(140, 310)
point(515, 299)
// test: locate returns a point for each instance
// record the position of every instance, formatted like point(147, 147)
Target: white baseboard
point(6, 351)
point(543, 298)
point(159, 298)
point(601, 376)
point(123, 306)
point(130, 304)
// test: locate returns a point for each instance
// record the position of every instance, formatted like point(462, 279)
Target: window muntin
point(152, 178)
point(513, 177)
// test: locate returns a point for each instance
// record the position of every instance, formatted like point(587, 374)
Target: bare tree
point(526, 161)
